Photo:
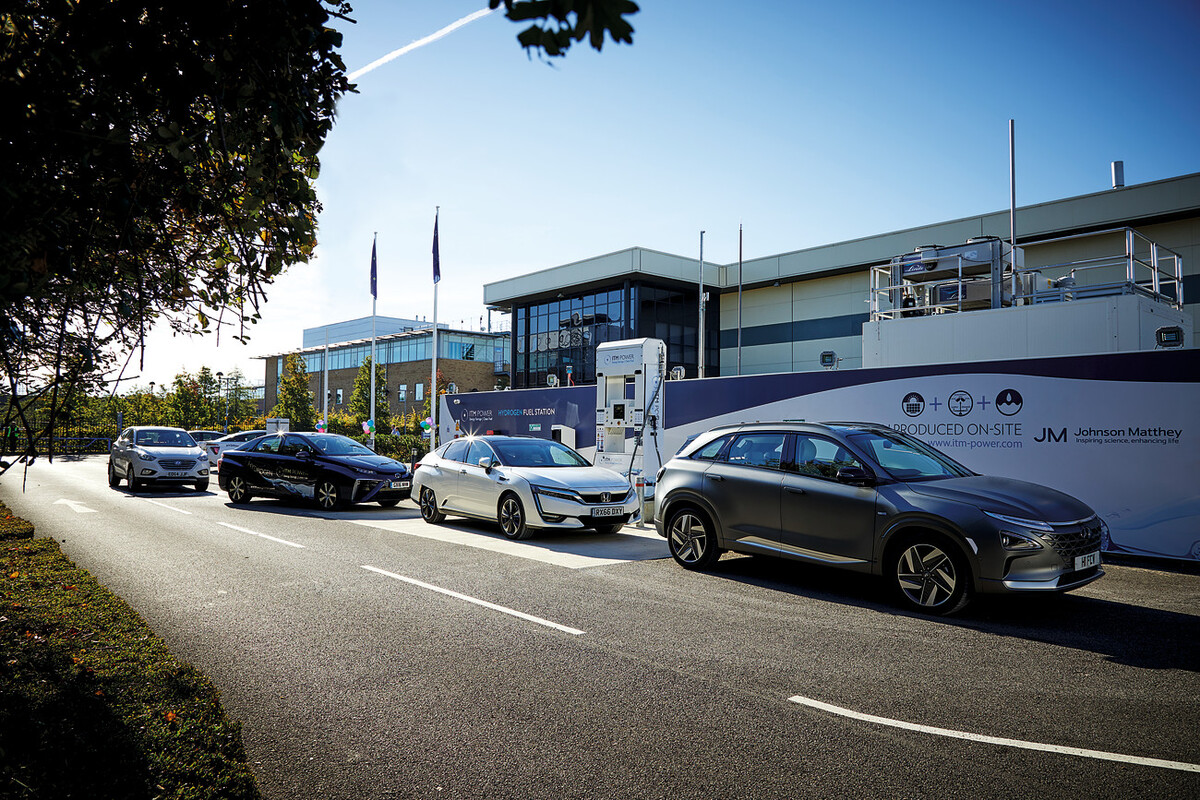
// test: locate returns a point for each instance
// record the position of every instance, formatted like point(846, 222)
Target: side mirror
point(304, 454)
point(854, 476)
point(486, 463)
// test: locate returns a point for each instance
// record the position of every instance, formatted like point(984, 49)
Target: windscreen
point(333, 445)
point(537, 453)
point(164, 438)
point(907, 459)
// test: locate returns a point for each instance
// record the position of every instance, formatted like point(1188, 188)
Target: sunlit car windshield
point(331, 444)
point(164, 438)
point(537, 453)
point(907, 459)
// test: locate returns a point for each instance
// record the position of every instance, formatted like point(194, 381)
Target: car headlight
point(561, 494)
point(1031, 524)
point(1018, 541)
point(203, 457)
point(145, 456)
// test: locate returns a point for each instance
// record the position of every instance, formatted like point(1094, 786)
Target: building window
point(402, 393)
point(420, 392)
point(339, 397)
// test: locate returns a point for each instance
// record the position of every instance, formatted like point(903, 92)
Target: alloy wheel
point(690, 540)
point(328, 497)
point(512, 518)
point(237, 490)
point(927, 576)
point(429, 507)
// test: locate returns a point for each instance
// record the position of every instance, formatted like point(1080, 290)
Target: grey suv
point(867, 498)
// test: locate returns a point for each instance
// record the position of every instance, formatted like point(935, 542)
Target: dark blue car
point(331, 470)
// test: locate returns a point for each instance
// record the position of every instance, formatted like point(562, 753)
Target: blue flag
point(374, 291)
point(437, 262)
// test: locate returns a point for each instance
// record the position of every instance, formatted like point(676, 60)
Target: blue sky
point(807, 123)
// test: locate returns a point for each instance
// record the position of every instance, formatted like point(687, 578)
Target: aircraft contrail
point(433, 37)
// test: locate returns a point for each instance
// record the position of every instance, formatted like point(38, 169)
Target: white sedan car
point(524, 484)
point(145, 455)
point(215, 447)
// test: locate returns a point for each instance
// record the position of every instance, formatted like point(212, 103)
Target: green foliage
point(92, 704)
point(157, 164)
point(294, 399)
point(569, 21)
point(360, 397)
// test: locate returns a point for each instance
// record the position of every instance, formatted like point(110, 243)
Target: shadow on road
point(1126, 634)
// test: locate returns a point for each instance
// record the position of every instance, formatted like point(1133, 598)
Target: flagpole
point(374, 299)
point(437, 277)
point(325, 363)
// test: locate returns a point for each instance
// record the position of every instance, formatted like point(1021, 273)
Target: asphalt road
point(369, 655)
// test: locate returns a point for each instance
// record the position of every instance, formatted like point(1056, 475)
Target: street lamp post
point(223, 388)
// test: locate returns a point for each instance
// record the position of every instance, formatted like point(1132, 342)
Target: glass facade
point(559, 337)
point(451, 344)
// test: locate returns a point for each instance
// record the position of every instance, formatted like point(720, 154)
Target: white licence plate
point(176, 474)
point(1089, 560)
point(608, 511)
point(400, 484)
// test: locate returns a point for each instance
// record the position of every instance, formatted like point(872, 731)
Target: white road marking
point(164, 505)
point(75, 505)
point(477, 601)
point(261, 535)
point(975, 737)
point(560, 548)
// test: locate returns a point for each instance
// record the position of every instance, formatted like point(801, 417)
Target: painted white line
point(262, 535)
point(975, 737)
point(164, 505)
point(478, 602)
point(75, 505)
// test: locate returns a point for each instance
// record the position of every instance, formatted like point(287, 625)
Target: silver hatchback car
point(522, 483)
point(867, 498)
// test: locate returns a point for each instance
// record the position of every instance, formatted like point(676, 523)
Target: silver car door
point(445, 476)
point(479, 488)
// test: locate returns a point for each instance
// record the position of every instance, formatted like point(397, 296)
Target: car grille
point(177, 463)
point(1070, 544)
point(595, 498)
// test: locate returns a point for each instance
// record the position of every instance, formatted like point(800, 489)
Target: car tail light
point(416, 466)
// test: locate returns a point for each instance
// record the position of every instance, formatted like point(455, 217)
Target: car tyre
point(202, 486)
point(429, 507)
point(238, 490)
point(114, 479)
point(511, 516)
point(134, 483)
point(930, 575)
point(329, 496)
point(608, 530)
point(692, 538)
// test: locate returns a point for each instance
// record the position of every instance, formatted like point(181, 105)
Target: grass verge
point(92, 704)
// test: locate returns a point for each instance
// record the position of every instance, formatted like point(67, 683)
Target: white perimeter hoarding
point(1119, 431)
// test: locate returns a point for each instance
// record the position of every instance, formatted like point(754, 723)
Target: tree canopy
point(157, 165)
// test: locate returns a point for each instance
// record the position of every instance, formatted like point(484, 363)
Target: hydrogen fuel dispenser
point(629, 400)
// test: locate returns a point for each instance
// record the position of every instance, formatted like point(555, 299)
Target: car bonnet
point(1007, 496)
point(579, 479)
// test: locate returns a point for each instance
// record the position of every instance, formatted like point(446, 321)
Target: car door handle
point(715, 477)
point(794, 490)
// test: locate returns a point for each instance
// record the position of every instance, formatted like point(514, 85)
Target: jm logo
point(1050, 436)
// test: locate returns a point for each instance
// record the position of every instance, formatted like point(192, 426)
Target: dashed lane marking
point(484, 603)
point(261, 535)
